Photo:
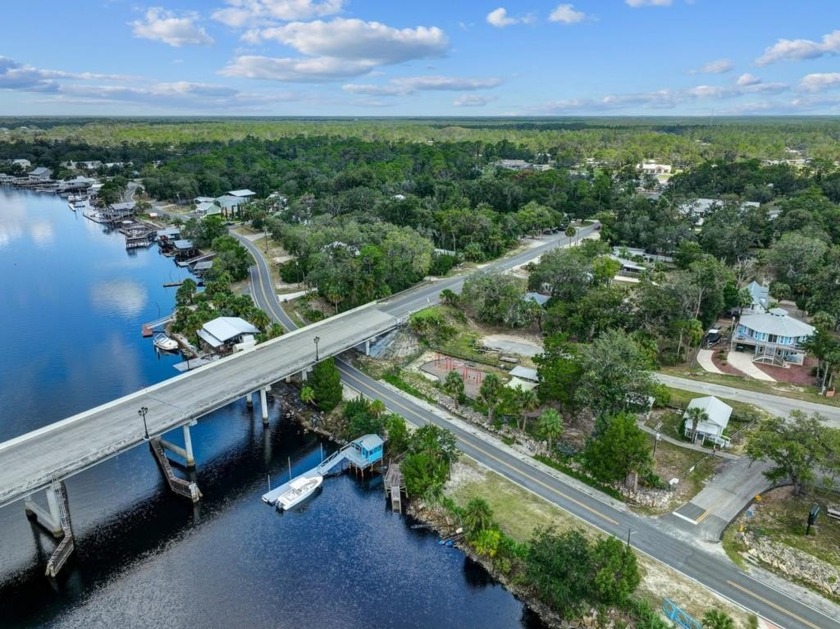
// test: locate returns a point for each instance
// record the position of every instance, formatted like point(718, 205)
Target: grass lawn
point(672, 461)
point(518, 512)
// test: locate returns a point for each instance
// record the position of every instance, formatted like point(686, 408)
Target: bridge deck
point(31, 461)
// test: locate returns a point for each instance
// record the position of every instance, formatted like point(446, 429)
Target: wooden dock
point(394, 486)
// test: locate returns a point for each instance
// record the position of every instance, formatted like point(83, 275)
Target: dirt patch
point(438, 365)
point(521, 345)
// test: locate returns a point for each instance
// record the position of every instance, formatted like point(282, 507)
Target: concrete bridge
point(43, 458)
point(33, 461)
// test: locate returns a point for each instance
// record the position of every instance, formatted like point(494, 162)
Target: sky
point(419, 57)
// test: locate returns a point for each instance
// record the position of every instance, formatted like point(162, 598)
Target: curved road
point(648, 535)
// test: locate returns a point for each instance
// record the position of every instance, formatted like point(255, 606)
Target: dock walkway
point(361, 454)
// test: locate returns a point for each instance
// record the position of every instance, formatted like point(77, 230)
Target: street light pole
point(629, 532)
point(655, 443)
point(316, 339)
point(142, 412)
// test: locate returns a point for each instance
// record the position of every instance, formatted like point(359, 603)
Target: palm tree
point(717, 619)
point(695, 415)
point(453, 386)
point(377, 407)
point(528, 401)
point(550, 425)
point(307, 395)
point(477, 516)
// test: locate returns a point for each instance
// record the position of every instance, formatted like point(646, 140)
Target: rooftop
point(777, 322)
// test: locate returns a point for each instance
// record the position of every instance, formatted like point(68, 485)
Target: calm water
point(73, 303)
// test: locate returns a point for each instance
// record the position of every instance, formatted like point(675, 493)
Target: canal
point(74, 301)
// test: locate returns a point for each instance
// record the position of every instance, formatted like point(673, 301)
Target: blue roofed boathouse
point(365, 451)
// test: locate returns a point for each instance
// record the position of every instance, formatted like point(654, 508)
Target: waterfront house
point(717, 419)
point(42, 173)
point(774, 337)
point(184, 249)
point(227, 334)
point(366, 451)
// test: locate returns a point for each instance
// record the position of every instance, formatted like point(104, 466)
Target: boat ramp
point(361, 454)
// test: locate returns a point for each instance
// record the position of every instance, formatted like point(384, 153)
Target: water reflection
point(125, 298)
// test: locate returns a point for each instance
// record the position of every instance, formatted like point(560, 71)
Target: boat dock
point(362, 454)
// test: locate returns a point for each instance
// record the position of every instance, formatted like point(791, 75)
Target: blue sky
point(420, 58)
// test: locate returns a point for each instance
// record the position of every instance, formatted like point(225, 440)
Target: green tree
point(559, 370)
point(325, 380)
point(477, 516)
point(613, 368)
point(550, 426)
point(186, 293)
point(559, 567)
point(491, 393)
point(695, 415)
point(619, 452)
point(486, 542)
point(307, 395)
point(717, 619)
point(397, 432)
point(615, 571)
point(453, 386)
point(797, 447)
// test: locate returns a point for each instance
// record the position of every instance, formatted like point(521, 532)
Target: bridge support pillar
point(249, 400)
point(264, 405)
point(49, 519)
point(189, 458)
point(56, 522)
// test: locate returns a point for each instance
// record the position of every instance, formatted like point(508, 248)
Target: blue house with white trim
point(775, 337)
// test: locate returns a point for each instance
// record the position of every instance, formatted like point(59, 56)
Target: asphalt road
point(650, 536)
point(773, 403)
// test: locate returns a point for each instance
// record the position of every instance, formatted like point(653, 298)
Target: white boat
point(164, 343)
point(299, 490)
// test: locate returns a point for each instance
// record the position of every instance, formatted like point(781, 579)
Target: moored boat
point(299, 490)
point(165, 343)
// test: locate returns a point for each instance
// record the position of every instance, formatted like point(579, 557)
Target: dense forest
point(369, 207)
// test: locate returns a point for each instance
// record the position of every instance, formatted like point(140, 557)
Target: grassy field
point(519, 512)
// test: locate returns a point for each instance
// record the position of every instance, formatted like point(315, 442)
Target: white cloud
point(301, 70)
point(240, 13)
point(410, 85)
point(718, 66)
point(648, 3)
point(566, 14)
point(370, 42)
point(500, 18)
point(473, 100)
point(17, 76)
point(338, 49)
point(820, 81)
point(747, 79)
point(166, 26)
point(801, 49)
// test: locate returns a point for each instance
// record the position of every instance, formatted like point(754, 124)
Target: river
point(74, 301)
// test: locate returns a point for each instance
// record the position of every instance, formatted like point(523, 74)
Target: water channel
point(73, 303)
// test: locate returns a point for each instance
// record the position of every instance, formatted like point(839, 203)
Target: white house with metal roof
point(228, 334)
point(717, 419)
point(775, 337)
